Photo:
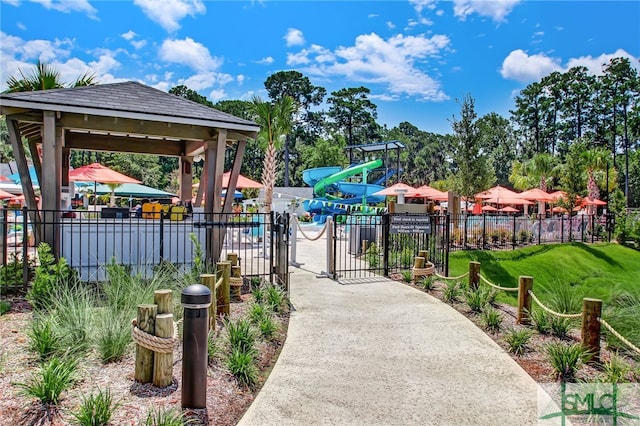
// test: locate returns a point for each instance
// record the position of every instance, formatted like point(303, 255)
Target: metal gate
point(370, 246)
point(280, 250)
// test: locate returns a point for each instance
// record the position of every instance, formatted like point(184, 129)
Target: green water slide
point(320, 187)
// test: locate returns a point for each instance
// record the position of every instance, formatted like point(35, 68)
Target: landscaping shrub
point(163, 417)
point(451, 292)
point(48, 275)
point(566, 359)
point(479, 298)
point(560, 327)
point(616, 370)
point(113, 336)
point(541, 321)
point(241, 335)
point(518, 340)
point(275, 298)
point(242, 365)
point(4, 307)
point(268, 328)
point(492, 320)
point(407, 276)
point(428, 283)
point(96, 409)
point(44, 337)
point(54, 377)
point(372, 255)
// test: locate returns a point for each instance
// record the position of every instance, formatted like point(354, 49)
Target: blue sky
point(417, 57)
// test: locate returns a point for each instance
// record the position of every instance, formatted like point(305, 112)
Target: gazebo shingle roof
point(130, 97)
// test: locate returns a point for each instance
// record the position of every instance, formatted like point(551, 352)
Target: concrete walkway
point(382, 353)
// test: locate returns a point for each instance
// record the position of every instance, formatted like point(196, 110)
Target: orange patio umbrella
point(508, 200)
point(536, 194)
point(96, 172)
point(243, 181)
point(395, 189)
point(489, 208)
point(509, 209)
point(425, 191)
point(497, 192)
point(4, 195)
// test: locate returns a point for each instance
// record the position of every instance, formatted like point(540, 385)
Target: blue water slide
point(385, 177)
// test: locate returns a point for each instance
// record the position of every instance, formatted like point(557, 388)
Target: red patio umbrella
point(5, 179)
point(594, 202)
point(489, 209)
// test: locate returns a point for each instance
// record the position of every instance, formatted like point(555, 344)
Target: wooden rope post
point(209, 281)
point(525, 284)
point(425, 254)
point(164, 299)
point(233, 258)
point(144, 357)
point(236, 283)
point(474, 275)
point(418, 262)
point(225, 296)
point(163, 362)
point(591, 311)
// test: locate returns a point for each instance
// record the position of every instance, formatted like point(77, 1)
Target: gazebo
point(121, 117)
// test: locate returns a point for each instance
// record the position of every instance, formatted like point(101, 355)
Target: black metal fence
point(494, 232)
point(367, 246)
point(90, 240)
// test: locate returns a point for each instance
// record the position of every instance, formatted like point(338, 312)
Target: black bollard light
point(196, 300)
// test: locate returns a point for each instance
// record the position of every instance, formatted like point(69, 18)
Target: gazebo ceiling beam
point(93, 142)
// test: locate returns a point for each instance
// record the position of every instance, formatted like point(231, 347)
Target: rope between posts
point(618, 335)
point(164, 345)
point(236, 281)
point(552, 312)
point(317, 237)
point(451, 278)
point(497, 286)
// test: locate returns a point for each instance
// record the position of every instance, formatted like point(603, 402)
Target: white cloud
point(18, 55)
point(205, 80)
point(494, 9)
point(129, 35)
point(68, 6)
point(266, 61)
point(595, 64)
point(168, 13)
point(390, 25)
point(420, 5)
point(520, 66)
point(189, 53)
point(217, 95)
point(12, 2)
point(396, 63)
point(139, 44)
point(294, 37)
point(240, 78)
point(22, 26)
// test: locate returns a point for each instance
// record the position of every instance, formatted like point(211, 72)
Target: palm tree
point(534, 172)
point(45, 77)
point(275, 120)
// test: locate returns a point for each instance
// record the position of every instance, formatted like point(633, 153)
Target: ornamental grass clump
point(428, 283)
point(479, 298)
point(560, 327)
point(541, 321)
point(492, 320)
point(113, 336)
point(451, 292)
point(165, 417)
point(566, 359)
point(96, 409)
point(518, 340)
point(44, 337)
point(275, 299)
point(53, 378)
point(407, 276)
point(243, 367)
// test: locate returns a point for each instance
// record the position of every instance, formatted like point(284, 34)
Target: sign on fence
point(410, 224)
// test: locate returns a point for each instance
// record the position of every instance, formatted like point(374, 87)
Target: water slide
point(328, 182)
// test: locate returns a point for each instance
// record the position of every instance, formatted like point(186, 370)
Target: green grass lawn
point(610, 272)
